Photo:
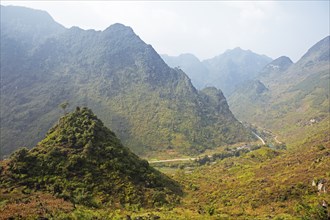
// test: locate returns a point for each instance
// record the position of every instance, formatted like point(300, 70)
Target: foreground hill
point(292, 100)
point(151, 106)
point(82, 161)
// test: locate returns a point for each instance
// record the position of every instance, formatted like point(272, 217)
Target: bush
point(312, 212)
point(159, 198)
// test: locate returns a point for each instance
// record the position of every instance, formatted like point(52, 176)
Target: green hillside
point(295, 103)
point(82, 161)
point(152, 107)
point(263, 184)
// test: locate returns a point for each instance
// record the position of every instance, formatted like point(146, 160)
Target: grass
point(261, 184)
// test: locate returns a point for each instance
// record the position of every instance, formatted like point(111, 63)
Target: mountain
point(316, 54)
point(17, 23)
point(152, 107)
point(250, 95)
point(225, 71)
point(192, 66)
point(295, 105)
point(234, 67)
point(276, 66)
point(81, 160)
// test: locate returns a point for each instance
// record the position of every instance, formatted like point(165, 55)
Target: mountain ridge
point(151, 106)
point(296, 95)
point(224, 71)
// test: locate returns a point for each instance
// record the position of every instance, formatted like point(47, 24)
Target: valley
point(99, 125)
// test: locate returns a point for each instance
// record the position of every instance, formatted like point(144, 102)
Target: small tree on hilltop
point(64, 105)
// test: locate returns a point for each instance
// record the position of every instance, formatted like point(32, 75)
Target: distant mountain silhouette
point(225, 71)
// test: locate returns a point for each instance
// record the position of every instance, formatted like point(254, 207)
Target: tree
point(64, 105)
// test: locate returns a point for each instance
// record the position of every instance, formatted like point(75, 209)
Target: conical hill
point(83, 161)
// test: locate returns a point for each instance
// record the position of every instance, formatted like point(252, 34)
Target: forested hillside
point(292, 100)
point(151, 106)
point(82, 161)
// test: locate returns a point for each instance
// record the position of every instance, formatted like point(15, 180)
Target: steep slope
point(192, 66)
point(230, 69)
point(83, 161)
point(251, 95)
point(296, 105)
point(151, 106)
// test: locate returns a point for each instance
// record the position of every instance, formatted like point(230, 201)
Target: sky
point(203, 28)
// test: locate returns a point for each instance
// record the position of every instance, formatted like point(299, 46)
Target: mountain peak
point(119, 28)
point(77, 129)
point(21, 18)
point(29, 25)
point(233, 67)
point(239, 53)
point(283, 59)
point(280, 64)
point(234, 50)
point(188, 55)
point(26, 14)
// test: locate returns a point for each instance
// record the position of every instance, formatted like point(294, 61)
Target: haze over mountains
point(203, 163)
point(225, 71)
point(290, 99)
point(151, 106)
point(271, 94)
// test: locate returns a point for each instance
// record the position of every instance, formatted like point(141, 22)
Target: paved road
point(262, 140)
point(193, 158)
point(172, 160)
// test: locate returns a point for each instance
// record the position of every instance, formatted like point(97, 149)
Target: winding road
point(193, 158)
point(260, 138)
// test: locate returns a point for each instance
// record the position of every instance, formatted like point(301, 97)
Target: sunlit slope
point(294, 102)
point(151, 106)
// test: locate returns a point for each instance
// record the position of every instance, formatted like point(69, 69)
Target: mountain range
point(151, 106)
point(290, 99)
point(225, 71)
point(83, 163)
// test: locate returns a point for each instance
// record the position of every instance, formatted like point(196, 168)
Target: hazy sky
point(204, 28)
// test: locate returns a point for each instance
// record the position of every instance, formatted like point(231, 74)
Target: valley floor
point(261, 184)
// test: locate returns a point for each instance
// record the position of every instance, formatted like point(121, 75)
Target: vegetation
point(149, 105)
point(260, 184)
point(295, 103)
point(83, 162)
point(81, 170)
